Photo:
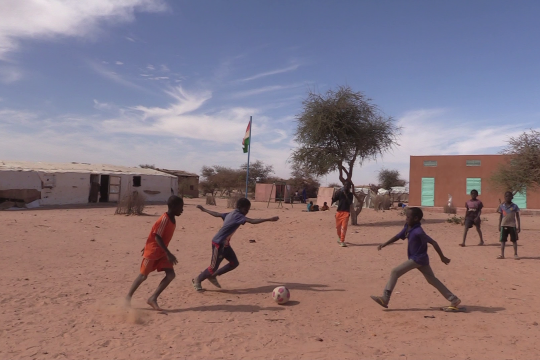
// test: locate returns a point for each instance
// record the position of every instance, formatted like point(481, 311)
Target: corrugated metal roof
point(76, 168)
point(178, 172)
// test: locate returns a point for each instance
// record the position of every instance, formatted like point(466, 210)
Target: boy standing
point(418, 259)
point(156, 255)
point(508, 220)
point(221, 248)
point(472, 217)
point(345, 198)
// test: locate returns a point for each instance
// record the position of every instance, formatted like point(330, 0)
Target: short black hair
point(416, 212)
point(175, 201)
point(243, 203)
point(509, 192)
point(325, 203)
point(474, 191)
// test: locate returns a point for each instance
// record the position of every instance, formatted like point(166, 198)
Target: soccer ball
point(281, 295)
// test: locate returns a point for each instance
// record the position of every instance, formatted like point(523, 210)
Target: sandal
point(500, 257)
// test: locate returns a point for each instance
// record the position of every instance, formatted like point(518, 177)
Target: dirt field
point(65, 273)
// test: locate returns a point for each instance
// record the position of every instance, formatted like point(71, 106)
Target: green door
point(428, 191)
point(520, 199)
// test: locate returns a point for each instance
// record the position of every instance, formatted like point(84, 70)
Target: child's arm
point(213, 213)
point(170, 256)
point(437, 248)
point(500, 221)
point(518, 223)
point(391, 241)
point(259, 221)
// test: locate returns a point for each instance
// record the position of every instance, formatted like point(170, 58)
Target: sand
point(65, 274)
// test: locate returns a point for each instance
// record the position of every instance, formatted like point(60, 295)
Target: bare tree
point(338, 130)
point(522, 171)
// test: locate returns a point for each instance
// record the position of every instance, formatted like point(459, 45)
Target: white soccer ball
point(281, 295)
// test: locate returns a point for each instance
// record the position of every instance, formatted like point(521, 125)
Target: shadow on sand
point(372, 244)
point(268, 288)
point(233, 308)
point(402, 222)
point(469, 309)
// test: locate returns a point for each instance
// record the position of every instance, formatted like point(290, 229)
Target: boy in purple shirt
point(221, 248)
point(508, 220)
point(472, 217)
point(418, 259)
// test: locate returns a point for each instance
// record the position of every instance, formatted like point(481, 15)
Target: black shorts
point(508, 230)
point(469, 222)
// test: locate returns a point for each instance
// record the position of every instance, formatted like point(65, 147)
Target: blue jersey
point(231, 223)
point(417, 243)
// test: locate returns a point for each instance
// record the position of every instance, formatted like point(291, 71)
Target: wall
point(325, 195)
point(184, 184)
point(153, 187)
point(263, 192)
point(450, 176)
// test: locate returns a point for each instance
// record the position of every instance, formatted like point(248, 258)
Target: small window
point(190, 187)
point(474, 184)
point(430, 163)
point(474, 162)
point(136, 181)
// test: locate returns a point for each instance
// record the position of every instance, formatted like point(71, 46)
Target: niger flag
point(245, 141)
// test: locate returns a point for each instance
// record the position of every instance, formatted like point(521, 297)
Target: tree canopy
point(258, 172)
point(522, 171)
point(390, 178)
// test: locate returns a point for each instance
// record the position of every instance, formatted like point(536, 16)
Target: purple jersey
point(417, 243)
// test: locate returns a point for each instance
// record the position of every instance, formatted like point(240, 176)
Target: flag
point(245, 141)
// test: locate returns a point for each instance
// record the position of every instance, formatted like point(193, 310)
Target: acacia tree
point(390, 178)
point(220, 177)
point(258, 172)
point(303, 178)
point(522, 171)
point(338, 130)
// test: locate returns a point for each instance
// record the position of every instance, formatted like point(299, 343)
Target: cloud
point(270, 73)
point(164, 68)
point(10, 74)
point(262, 90)
point(37, 19)
point(113, 76)
point(130, 39)
point(151, 67)
point(119, 63)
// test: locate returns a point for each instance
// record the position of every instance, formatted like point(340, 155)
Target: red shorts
point(147, 265)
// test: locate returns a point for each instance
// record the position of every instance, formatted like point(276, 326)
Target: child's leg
point(344, 225)
point(138, 281)
point(228, 253)
point(503, 239)
point(395, 274)
point(432, 280)
point(338, 225)
point(514, 239)
point(217, 258)
point(479, 230)
point(169, 276)
point(465, 234)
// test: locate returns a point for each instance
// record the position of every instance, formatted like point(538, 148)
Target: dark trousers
point(220, 252)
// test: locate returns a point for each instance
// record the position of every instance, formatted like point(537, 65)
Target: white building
point(79, 183)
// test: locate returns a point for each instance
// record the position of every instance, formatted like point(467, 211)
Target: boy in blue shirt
point(508, 220)
point(221, 248)
point(418, 259)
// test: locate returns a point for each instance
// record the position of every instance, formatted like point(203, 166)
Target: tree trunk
point(356, 210)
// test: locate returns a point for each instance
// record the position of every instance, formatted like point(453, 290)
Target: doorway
point(104, 189)
point(94, 189)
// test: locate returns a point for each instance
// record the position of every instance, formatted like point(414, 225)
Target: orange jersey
point(163, 227)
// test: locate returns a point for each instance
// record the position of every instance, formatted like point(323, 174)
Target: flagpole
point(249, 152)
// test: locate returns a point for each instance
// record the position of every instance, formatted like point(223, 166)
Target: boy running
point(221, 248)
point(345, 198)
point(156, 255)
point(507, 223)
point(418, 259)
point(472, 217)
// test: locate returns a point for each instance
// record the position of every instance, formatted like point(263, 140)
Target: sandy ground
point(65, 273)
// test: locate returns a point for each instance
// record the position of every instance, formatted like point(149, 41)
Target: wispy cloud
point(38, 19)
point(130, 39)
point(150, 67)
point(10, 74)
point(119, 63)
point(270, 73)
point(262, 90)
point(113, 76)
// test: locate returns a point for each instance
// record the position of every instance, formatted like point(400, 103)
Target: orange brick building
point(433, 178)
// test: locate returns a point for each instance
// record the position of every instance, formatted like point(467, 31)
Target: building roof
point(178, 173)
point(75, 167)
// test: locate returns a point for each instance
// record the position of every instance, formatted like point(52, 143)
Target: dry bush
point(132, 204)
point(450, 209)
point(381, 202)
point(210, 200)
point(233, 199)
point(456, 220)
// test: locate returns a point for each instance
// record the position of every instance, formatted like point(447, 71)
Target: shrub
point(132, 204)
point(456, 220)
point(381, 202)
point(450, 209)
point(233, 199)
point(210, 200)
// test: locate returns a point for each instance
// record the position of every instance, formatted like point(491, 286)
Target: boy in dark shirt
point(221, 248)
point(472, 217)
point(345, 198)
point(509, 223)
point(418, 259)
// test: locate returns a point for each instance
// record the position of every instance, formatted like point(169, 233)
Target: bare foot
point(481, 243)
point(462, 245)
point(127, 301)
point(500, 257)
point(153, 303)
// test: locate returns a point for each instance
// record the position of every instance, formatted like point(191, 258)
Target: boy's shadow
point(268, 288)
point(529, 257)
point(234, 308)
point(374, 244)
point(469, 309)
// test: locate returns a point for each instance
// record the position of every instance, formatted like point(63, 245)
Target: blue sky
point(173, 83)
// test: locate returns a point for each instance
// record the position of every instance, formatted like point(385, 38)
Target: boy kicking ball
point(221, 248)
point(156, 255)
point(418, 259)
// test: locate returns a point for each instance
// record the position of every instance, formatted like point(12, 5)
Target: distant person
point(221, 248)
point(309, 206)
point(304, 195)
point(345, 198)
point(156, 254)
point(472, 217)
point(509, 223)
point(418, 259)
point(325, 207)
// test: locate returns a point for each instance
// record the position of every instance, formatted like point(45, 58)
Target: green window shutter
point(474, 184)
point(520, 199)
point(428, 192)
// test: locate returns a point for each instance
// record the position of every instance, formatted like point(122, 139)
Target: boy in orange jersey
point(345, 198)
point(156, 255)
